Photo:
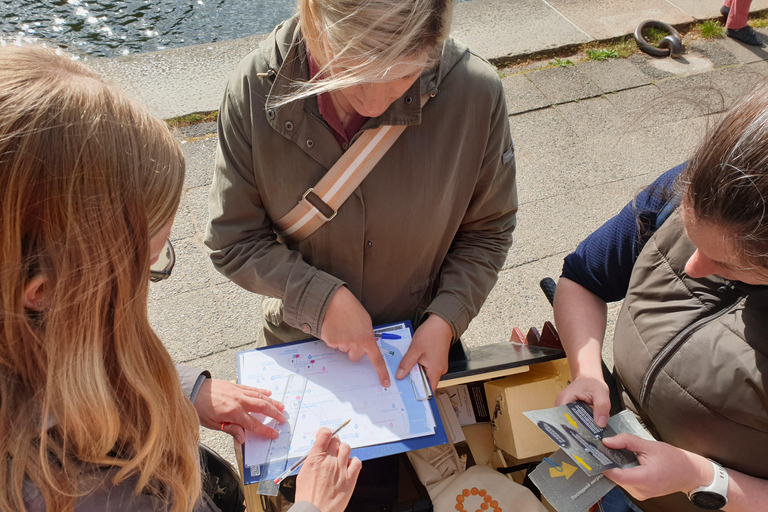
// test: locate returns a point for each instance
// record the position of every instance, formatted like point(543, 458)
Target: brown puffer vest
point(692, 358)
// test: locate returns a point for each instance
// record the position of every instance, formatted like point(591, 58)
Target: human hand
point(328, 476)
point(663, 469)
point(592, 390)
point(429, 348)
point(219, 401)
point(347, 326)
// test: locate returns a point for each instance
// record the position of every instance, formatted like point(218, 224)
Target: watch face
point(708, 500)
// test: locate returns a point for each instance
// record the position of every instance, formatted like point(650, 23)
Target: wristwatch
point(712, 496)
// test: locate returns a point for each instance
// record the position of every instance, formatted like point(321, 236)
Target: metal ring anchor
point(670, 46)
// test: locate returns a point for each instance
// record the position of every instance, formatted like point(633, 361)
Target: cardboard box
point(510, 396)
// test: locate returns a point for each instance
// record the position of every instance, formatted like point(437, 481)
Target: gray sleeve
point(191, 379)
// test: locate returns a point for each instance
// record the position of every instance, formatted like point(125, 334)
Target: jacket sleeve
point(480, 246)
point(239, 236)
point(191, 379)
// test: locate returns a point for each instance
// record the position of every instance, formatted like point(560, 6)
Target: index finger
point(374, 355)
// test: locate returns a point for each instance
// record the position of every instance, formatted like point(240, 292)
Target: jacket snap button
point(289, 126)
point(408, 100)
point(310, 143)
point(370, 243)
point(306, 328)
point(345, 146)
point(271, 114)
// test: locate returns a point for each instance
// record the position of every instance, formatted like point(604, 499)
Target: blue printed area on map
point(417, 413)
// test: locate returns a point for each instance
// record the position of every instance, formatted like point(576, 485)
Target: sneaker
point(725, 11)
point(746, 35)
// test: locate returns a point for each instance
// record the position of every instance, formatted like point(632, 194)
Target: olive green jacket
point(692, 359)
point(425, 233)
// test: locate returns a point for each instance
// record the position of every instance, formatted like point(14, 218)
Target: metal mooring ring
point(670, 46)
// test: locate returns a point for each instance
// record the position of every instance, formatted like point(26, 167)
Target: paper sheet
point(338, 390)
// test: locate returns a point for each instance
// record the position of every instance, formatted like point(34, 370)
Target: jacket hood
point(286, 43)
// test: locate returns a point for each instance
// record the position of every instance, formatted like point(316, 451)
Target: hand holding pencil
point(328, 476)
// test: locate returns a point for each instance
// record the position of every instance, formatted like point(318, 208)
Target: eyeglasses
point(162, 268)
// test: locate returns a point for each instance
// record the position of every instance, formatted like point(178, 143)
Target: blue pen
point(390, 336)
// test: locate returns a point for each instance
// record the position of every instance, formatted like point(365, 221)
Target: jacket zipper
point(666, 353)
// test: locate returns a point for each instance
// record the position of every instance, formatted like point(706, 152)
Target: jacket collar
point(285, 57)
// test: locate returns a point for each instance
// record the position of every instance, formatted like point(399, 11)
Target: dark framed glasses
point(162, 268)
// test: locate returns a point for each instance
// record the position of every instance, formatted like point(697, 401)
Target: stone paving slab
point(646, 64)
point(699, 9)
point(498, 28)
point(178, 81)
point(200, 157)
point(561, 84)
point(522, 95)
point(197, 198)
point(614, 75)
point(540, 235)
point(709, 93)
point(717, 54)
point(613, 18)
point(183, 225)
point(189, 324)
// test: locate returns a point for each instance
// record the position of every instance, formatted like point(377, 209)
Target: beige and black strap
point(320, 203)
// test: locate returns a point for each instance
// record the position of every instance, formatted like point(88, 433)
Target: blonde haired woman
point(424, 236)
point(92, 416)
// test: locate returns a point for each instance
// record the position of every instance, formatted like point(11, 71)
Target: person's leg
point(736, 25)
point(725, 9)
point(738, 15)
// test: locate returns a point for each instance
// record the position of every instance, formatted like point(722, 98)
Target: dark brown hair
point(726, 181)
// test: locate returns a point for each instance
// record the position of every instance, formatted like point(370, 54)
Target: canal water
point(109, 28)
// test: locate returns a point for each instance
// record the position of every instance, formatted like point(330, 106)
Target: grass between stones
point(655, 34)
point(759, 21)
point(711, 29)
point(190, 119)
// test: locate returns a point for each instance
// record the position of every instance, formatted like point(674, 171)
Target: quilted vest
point(691, 358)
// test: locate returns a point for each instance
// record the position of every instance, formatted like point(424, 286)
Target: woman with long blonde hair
point(92, 416)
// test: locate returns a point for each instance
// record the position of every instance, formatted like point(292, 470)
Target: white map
point(337, 390)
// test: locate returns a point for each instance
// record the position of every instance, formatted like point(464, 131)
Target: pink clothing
point(737, 18)
point(342, 134)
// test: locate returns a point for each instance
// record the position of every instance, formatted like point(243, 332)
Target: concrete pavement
point(185, 80)
point(588, 138)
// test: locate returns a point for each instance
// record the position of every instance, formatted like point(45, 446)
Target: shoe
point(746, 35)
point(725, 11)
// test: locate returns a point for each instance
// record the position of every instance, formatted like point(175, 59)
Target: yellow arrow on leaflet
point(567, 471)
point(571, 421)
point(581, 461)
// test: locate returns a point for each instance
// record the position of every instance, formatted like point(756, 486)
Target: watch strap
point(719, 483)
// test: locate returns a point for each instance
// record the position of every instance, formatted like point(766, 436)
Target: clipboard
point(251, 474)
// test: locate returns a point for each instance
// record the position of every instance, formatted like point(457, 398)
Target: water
point(108, 28)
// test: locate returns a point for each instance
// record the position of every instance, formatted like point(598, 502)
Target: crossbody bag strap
point(320, 203)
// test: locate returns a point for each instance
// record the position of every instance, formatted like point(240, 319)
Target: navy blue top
point(603, 262)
